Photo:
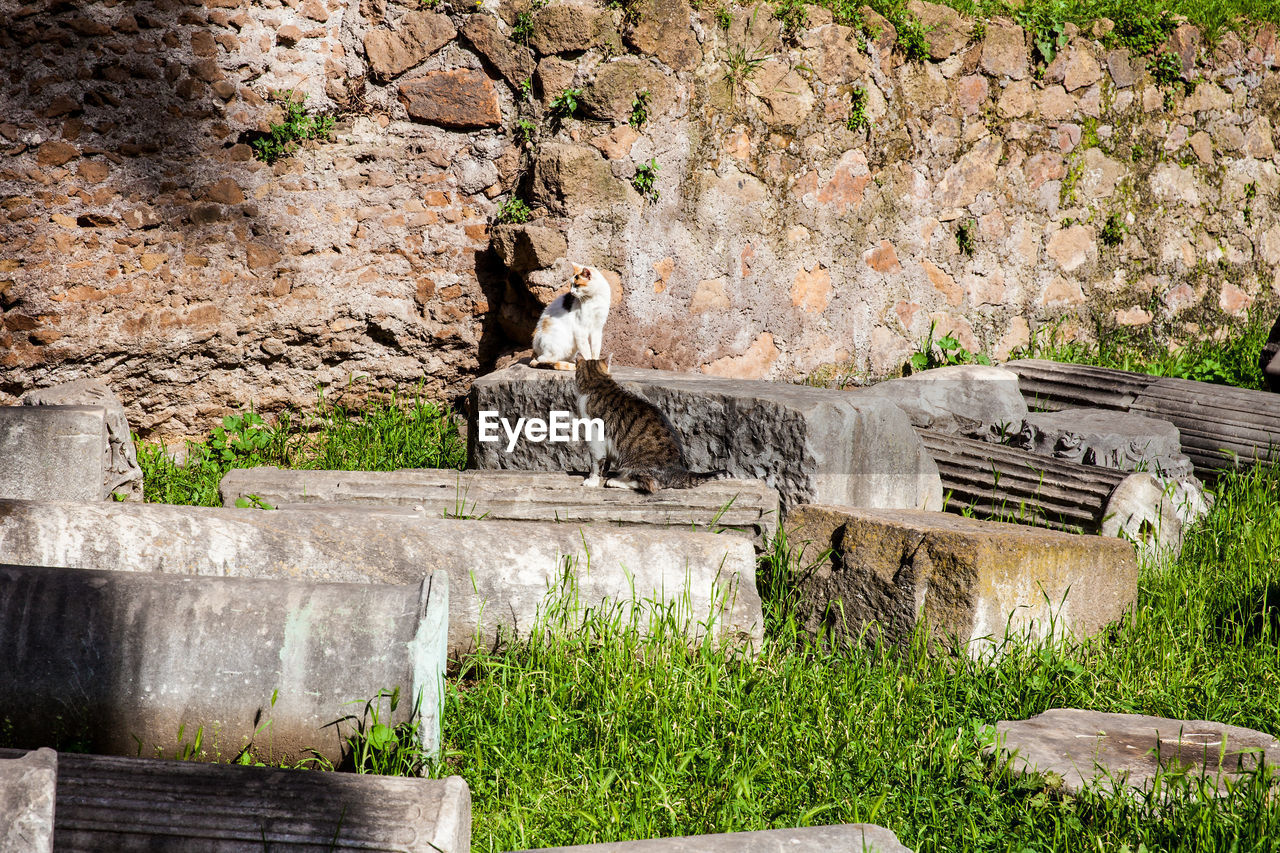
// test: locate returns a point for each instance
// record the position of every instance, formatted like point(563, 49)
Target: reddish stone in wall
point(460, 99)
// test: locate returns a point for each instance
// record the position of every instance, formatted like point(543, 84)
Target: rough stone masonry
point(145, 245)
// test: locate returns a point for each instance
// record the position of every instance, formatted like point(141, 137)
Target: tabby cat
point(638, 438)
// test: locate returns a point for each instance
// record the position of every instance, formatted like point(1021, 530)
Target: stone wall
point(142, 242)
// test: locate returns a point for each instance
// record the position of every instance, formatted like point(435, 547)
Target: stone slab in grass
point(1125, 752)
point(141, 804)
point(52, 453)
point(975, 580)
point(852, 837)
point(504, 575)
point(814, 445)
point(27, 801)
point(137, 663)
point(746, 506)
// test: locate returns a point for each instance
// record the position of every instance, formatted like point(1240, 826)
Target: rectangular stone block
point(133, 663)
point(853, 837)
point(504, 575)
point(746, 506)
point(972, 580)
point(811, 444)
point(52, 453)
point(140, 804)
point(27, 796)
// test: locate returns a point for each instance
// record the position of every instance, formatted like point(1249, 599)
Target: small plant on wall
point(298, 126)
point(858, 119)
point(639, 109)
point(1112, 233)
point(513, 210)
point(646, 180)
point(964, 236)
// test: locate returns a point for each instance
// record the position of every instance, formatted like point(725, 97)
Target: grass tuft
point(382, 436)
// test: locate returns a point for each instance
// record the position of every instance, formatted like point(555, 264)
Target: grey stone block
point(1119, 440)
point(503, 574)
point(137, 663)
point(746, 506)
point(976, 581)
point(811, 444)
point(852, 837)
point(52, 453)
point(971, 400)
point(120, 459)
point(27, 796)
point(1123, 753)
point(140, 804)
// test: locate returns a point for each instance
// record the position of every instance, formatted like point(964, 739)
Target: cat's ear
point(577, 270)
point(585, 272)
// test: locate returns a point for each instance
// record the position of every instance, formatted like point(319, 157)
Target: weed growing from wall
point(793, 15)
point(639, 109)
point(1112, 233)
point(646, 180)
point(298, 126)
point(858, 119)
point(513, 210)
point(565, 105)
point(945, 351)
point(522, 29)
point(911, 35)
point(964, 236)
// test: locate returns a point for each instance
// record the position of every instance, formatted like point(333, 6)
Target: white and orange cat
point(573, 324)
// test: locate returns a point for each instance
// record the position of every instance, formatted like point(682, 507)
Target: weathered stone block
point(854, 837)
point(524, 248)
point(574, 178)
point(134, 663)
point(28, 785)
point(968, 579)
point(504, 574)
point(664, 29)
point(52, 453)
point(945, 29)
point(419, 35)
point(616, 83)
point(111, 803)
point(1119, 440)
point(1004, 50)
point(513, 61)
point(748, 506)
point(1123, 753)
point(460, 100)
point(571, 26)
point(811, 444)
point(120, 458)
point(972, 400)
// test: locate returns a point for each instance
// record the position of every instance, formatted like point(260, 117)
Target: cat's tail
point(689, 479)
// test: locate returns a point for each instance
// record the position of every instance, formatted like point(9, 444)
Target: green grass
point(1141, 25)
point(382, 436)
point(1231, 359)
point(604, 735)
